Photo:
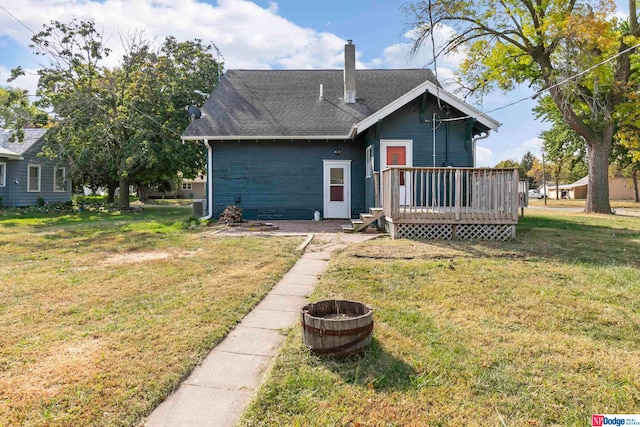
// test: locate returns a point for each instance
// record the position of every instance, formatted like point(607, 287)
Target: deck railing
point(465, 195)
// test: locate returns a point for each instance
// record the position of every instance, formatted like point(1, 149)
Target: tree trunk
point(111, 191)
point(634, 177)
point(143, 193)
point(598, 189)
point(124, 194)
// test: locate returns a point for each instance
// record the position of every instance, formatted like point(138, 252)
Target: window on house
point(58, 178)
point(33, 178)
point(3, 174)
point(369, 161)
point(186, 186)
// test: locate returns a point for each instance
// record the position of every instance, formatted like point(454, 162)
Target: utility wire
point(535, 95)
point(541, 91)
point(162, 126)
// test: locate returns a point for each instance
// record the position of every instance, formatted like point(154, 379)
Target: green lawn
point(543, 330)
point(102, 314)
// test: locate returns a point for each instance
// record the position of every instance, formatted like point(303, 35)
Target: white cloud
point(399, 55)
point(533, 145)
point(247, 35)
point(484, 156)
point(27, 82)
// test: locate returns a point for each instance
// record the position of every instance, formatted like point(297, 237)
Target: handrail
point(484, 195)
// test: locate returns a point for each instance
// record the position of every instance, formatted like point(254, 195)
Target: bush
point(191, 223)
point(41, 202)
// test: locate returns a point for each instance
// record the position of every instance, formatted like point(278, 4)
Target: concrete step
point(347, 229)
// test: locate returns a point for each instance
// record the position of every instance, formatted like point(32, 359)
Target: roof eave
point(10, 155)
point(267, 137)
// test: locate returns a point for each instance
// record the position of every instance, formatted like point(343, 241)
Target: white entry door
point(398, 152)
point(337, 188)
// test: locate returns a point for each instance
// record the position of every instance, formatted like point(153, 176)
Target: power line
point(162, 126)
point(14, 17)
point(541, 91)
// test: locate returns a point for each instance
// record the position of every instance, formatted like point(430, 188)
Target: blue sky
point(262, 34)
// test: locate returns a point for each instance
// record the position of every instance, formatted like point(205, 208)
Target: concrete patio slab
point(229, 370)
point(200, 406)
point(270, 319)
point(282, 303)
point(253, 341)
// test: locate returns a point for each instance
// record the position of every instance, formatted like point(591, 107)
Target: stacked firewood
point(231, 215)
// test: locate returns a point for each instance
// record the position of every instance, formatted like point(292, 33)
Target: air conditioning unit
point(198, 208)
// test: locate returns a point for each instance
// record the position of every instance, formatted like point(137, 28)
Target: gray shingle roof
point(286, 102)
point(31, 136)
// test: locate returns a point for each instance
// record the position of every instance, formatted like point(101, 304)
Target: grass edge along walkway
point(539, 331)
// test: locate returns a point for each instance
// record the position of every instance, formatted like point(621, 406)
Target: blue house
point(283, 144)
point(26, 175)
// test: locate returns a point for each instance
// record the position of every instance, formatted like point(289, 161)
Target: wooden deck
point(483, 200)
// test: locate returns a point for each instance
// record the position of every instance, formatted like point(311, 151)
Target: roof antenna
point(218, 60)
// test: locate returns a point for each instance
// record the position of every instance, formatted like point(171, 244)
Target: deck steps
point(365, 220)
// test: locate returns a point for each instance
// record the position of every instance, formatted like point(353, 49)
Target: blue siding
point(453, 139)
point(15, 192)
point(369, 182)
point(281, 179)
point(451, 147)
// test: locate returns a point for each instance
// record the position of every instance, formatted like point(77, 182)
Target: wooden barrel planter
point(336, 327)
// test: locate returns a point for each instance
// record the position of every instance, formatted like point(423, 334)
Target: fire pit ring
point(336, 327)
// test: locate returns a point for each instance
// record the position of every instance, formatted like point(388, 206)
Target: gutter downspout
point(209, 180)
point(473, 144)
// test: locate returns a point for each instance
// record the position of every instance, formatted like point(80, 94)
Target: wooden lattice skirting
point(452, 231)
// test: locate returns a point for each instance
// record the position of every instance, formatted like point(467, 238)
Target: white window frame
point(3, 176)
point(368, 161)
point(186, 186)
point(39, 167)
point(62, 188)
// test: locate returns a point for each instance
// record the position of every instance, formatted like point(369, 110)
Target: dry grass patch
point(101, 318)
point(541, 331)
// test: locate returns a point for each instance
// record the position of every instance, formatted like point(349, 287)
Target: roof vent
point(321, 97)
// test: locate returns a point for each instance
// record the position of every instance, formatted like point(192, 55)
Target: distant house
point(26, 176)
point(620, 188)
point(193, 188)
point(187, 189)
point(389, 143)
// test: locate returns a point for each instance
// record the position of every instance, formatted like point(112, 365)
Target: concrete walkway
point(217, 392)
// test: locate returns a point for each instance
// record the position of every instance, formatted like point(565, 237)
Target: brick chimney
point(350, 73)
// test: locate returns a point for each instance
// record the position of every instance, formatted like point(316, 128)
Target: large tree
point(17, 112)
point(122, 124)
point(550, 45)
point(562, 146)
